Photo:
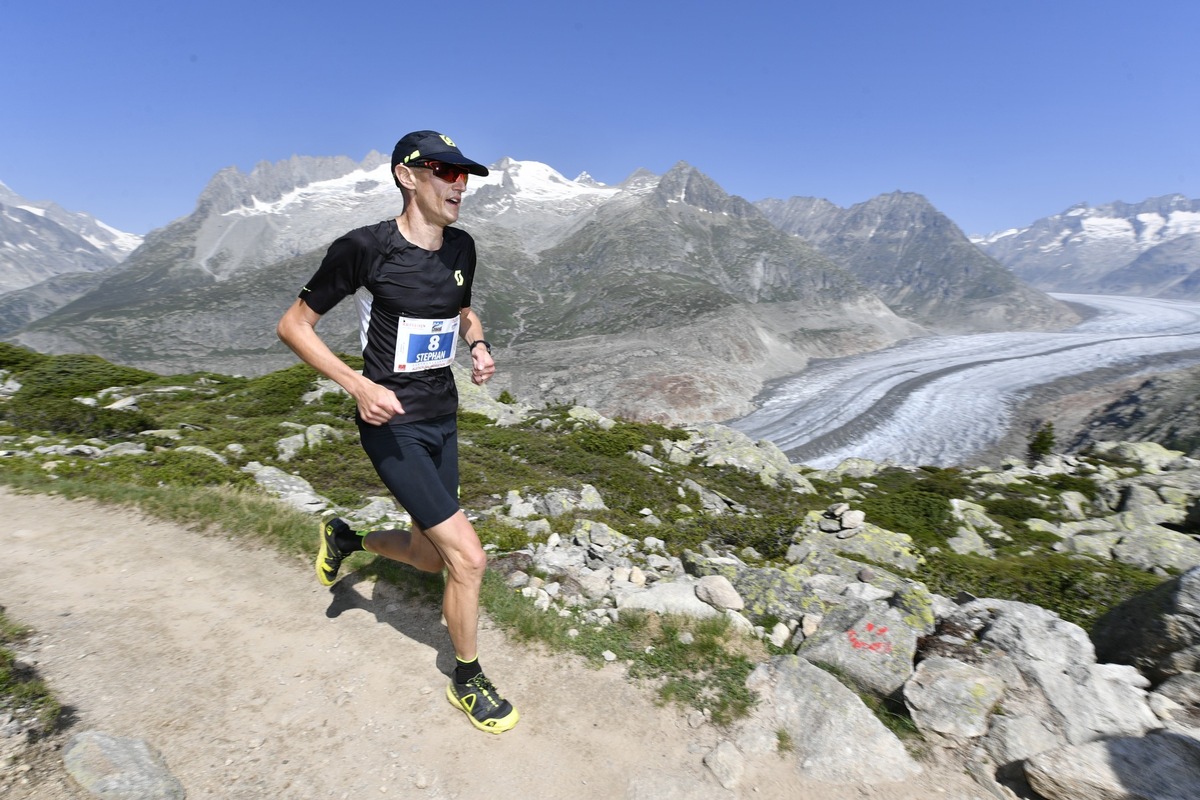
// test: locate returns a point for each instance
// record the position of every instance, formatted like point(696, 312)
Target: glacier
point(941, 401)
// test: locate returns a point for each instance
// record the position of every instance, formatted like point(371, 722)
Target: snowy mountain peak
point(537, 181)
point(1096, 248)
point(587, 180)
point(1138, 225)
point(288, 208)
point(40, 241)
point(516, 188)
point(112, 243)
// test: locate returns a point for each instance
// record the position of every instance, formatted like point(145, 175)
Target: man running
point(411, 277)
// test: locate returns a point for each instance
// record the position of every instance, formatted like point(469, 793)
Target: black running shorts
point(418, 462)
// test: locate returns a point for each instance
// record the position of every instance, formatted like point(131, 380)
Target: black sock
point(465, 670)
point(348, 541)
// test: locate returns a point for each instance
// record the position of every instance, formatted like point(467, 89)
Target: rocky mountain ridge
point(919, 263)
point(49, 256)
point(1151, 248)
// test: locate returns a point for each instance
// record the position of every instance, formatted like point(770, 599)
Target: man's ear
point(404, 177)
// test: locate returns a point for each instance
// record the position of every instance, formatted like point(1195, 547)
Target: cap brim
point(459, 160)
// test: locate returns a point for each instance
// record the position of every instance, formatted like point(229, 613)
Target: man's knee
point(470, 556)
point(460, 547)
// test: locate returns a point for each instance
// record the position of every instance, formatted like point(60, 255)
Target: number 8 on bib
point(425, 343)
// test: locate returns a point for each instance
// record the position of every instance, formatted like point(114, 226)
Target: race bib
point(425, 343)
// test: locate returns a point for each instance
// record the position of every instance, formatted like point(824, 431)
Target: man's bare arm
point(297, 329)
point(471, 329)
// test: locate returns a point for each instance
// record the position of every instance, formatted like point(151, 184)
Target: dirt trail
point(256, 682)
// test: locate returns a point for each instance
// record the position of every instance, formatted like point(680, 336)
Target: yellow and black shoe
point(483, 705)
point(329, 557)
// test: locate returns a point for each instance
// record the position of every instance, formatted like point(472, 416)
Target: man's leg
point(418, 462)
point(411, 547)
point(454, 545)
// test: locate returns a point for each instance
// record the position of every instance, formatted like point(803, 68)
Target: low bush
point(157, 469)
point(69, 376)
point(1016, 509)
point(1062, 482)
point(17, 359)
point(769, 535)
point(65, 416)
point(274, 394)
point(1078, 588)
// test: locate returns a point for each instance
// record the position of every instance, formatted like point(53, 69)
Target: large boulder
point(784, 594)
point(719, 445)
point(832, 736)
point(1158, 632)
point(1163, 766)
point(1055, 693)
point(950, 698)
point(869, 643)
point(871, 542)
point(1150, 456)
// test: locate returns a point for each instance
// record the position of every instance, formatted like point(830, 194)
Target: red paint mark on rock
point(872, 639)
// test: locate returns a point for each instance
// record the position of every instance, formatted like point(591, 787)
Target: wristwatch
point(483, 342)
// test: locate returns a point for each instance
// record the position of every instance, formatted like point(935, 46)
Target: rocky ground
point(254, 681)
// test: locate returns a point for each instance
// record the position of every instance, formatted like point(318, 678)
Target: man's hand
point(482, 365)
point(376, 404)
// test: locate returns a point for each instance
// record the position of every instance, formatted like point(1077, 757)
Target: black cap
point(432, 146)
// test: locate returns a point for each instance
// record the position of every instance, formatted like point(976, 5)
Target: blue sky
point(999, 112)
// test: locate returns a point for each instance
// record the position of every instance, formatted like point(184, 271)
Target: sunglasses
point(450, 173)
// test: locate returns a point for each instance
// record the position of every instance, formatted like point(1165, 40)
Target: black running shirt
point(393, 278)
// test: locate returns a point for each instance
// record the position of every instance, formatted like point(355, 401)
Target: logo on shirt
point(458, 278)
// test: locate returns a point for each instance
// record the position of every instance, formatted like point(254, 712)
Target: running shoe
point(482, 704)
point(329, 557)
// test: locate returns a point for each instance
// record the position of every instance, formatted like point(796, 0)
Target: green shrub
point(1077, 588)
point(769, 535)
point(916, 502)
point(923, 516)
point(166, 468)
point(340, 404)
point(17, 359)
point(549, 459)
point(61, 415)
point(1016, 509)
point(20, 685)
point(274, 394)
point(1062, 482)
point(613, 443)
point(1041, 442)
point(471, 420)
point(71, 376)
point(505, 537)
point(339, 470)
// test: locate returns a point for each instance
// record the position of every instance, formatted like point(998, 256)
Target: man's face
point(438, 191)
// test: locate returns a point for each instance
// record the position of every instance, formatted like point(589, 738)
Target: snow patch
point(1180, 223)
point(1107, 228)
